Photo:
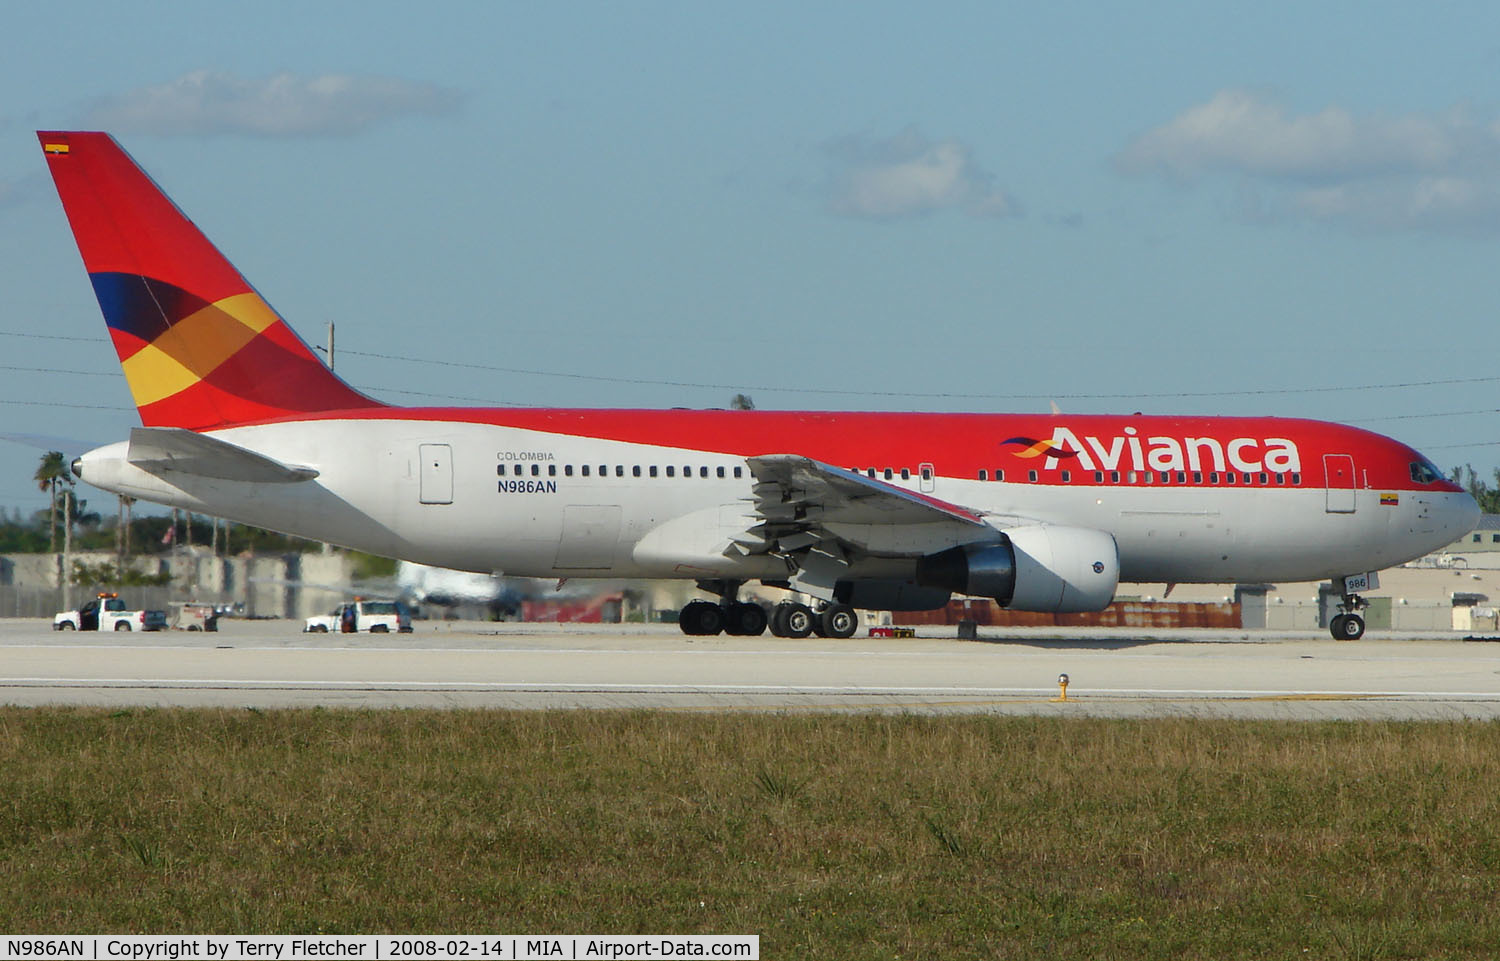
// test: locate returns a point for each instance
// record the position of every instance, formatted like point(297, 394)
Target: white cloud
point(1438, 170)
point(281, 105)
point(909, 176)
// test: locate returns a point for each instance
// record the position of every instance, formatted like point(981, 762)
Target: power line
point(17, 333)
point(941, 395)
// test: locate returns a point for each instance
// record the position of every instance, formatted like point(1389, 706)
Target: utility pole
point(67, 571)
point(330, 345)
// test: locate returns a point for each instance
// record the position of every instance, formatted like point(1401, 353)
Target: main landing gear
point(788, 619)
point(1347, 625)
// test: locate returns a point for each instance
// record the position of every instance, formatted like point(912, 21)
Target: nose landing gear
point(1347, 625)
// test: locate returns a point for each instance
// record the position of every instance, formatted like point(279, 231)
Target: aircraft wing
point(787, 484)
point(814, 515)
point(165, 449)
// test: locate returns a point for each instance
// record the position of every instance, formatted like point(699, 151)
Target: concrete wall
point(280, 585)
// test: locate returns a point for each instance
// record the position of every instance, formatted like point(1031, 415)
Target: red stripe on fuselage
point(957, 445)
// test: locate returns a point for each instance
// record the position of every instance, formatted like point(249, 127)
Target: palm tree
point(50, 473)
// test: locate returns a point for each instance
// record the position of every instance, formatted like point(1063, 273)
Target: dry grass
point(830, 836)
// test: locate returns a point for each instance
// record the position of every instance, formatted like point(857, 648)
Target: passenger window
point(1296, 478)
point(720, 471)
point(671, 471)
point(1114, 477)
point(536, 470)
point(984, 475)
point(1213, 477)
point(1067, 476)
point(1031, 475)
point(635, 471)
point(1229, 477)
point(619, 470)
point(567, 470)
point(652, 470)
point(551, 470)
point(585, 470)
point(905, 473)
point(999, 474)
point(1098, 477)
point(888, 473)
point(703, 472)
point(737, 471)
point(1197, 477)
point(1263, 479)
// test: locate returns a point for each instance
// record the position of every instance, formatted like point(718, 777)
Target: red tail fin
point(200, 348)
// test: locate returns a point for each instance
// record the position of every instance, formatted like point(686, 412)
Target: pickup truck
point(376, 617)
point(107, 613)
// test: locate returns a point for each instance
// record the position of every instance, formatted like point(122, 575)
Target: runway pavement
point(1117, 673)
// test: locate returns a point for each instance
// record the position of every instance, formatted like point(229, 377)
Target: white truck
point(107, 612)
point(376, 617)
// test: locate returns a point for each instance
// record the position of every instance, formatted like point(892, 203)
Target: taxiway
point(1120, 673)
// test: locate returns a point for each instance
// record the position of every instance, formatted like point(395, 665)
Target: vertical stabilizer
point(200, 348)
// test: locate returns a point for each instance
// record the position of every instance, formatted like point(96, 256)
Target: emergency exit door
point(435, 473)
point(1339, 472)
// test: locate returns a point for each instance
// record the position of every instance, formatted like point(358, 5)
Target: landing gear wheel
point(838, 620)
point(1347, 627)
point(745, 620)
point(701, 619)
point(797, 620)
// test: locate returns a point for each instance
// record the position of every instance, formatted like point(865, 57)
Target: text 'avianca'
point(1274, 454)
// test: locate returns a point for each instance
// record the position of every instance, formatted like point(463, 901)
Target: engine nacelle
point(1049, 569)
point(890, 595)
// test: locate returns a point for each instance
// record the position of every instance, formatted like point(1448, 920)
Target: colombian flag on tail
point(200, 348)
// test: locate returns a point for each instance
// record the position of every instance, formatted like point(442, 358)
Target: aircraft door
point(435, 473)
point(927, 477)
point(1338, 470)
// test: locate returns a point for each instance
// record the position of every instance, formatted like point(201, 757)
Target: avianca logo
point(1128, 451)
point(1036, 448)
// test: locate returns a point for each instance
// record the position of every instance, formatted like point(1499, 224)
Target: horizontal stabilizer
point(158, 449)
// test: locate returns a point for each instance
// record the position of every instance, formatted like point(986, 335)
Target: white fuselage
point(434, 492)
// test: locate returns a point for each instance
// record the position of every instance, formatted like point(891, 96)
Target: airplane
point(856, 510)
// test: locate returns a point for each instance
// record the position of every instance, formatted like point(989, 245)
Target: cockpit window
point(1422, 472)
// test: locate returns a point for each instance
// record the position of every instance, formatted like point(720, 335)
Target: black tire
point(798, 621)
point(379, 629)
point(194, 627)
point(320, 629)
point(745, 620)
point(122, 626)
point(777, 621)
point(701, 619)
point(838, 620)
point(1347, 627)
point(67, 626)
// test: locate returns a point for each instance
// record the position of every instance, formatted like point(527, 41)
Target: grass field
point(829, 836)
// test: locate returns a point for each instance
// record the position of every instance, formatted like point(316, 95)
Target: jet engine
point(1050, 569)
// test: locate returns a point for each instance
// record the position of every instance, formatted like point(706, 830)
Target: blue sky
point(1171, 208)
